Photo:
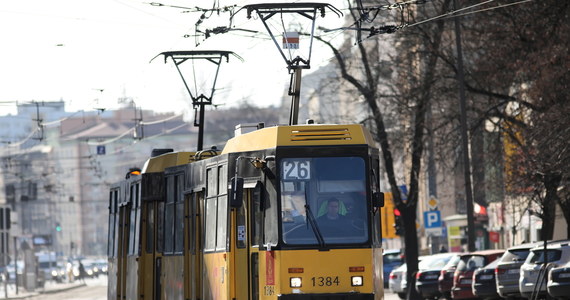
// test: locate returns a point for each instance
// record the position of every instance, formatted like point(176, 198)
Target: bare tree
point(417, 71)
point(521, 69)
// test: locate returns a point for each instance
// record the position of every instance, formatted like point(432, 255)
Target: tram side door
point(124, 224)
point(193, 248)
point(246, 248)
point(146, 280)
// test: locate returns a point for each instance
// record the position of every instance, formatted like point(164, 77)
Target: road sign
point(101, 150)
point(432, 222)
point(291, 40)
point(432, 203)
point(432, 219)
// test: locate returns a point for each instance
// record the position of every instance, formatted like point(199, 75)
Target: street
point(389, 295)
point(94, 289)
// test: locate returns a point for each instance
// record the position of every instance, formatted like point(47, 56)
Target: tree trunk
point(551, 183)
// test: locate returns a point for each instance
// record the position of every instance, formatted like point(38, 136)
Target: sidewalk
point(49, 288)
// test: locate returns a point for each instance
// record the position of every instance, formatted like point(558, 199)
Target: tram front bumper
point(339, 296)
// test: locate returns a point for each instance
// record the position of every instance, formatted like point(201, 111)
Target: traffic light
point(398, 226)
point(57, 227)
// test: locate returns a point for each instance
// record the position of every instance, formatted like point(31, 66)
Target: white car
point(398, 282)
point(559, 282)
point(534, 271)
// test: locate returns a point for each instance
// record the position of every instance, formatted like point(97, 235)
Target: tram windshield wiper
point(314, 226)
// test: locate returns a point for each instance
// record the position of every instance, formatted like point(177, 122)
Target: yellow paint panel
point(388, 219)
point(161, 162)
point(299, 135)
point(216, 276)
point(132, 288)
point(323, 271)
point(173, 277)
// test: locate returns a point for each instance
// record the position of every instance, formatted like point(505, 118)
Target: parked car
point(14, 270)
point(507, 272)
point(445, 279)
point(535, 269)
point(102, 266)
point(484, 284)
point(463, 277)
point(391, 259)
point(398, 282)
point(427, 276)
point(395, 282)
point(559, 282)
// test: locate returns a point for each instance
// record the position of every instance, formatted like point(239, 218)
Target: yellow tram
point(284, 212)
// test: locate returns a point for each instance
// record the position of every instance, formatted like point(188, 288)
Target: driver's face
point(333, 208)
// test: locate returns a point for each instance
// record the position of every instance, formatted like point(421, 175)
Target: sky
point(90, 53)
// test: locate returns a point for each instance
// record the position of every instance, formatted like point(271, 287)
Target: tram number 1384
point(325, 281)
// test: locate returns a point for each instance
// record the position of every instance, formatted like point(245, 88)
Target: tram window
point(169, 215)
point(112, 215)
point(150, 228)
point(377, 217)
point(179, 213)
point(211, 183)
point(222, 180)
point(313, 183)
point(210, 228)
point(221, 243)
point(189, 198)
point(136, 249)
point(257, 217)
point(117, 227)
point(377, 229)
point(132, 219)
point(160, 228)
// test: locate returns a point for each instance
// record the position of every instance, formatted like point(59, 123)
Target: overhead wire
point(488, 9)
point(19, 143)
point(449, 13)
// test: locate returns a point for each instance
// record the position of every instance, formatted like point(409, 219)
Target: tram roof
point(299, 135)
point(161, 162)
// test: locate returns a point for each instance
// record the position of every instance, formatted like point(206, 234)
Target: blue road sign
point(100, 150)
point(432, 219)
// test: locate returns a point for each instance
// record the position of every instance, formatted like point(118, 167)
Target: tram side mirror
point(236, 192)
point(378, 199)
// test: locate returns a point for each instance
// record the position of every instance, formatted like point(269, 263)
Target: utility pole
point(464, 137)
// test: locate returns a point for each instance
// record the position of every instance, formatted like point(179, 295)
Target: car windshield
point(471, 262)
point(435, 261)
point(493, 264)
point(453, 261)
point(391, 258)
point(323, 200)
point(515, 255)
point(537, 256)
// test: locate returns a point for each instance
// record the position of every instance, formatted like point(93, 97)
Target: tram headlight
point(295, 282)
point(356, 280)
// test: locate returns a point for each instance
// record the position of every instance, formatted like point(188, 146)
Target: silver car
point(535, 269)
point(559, 282)
point(507, 272)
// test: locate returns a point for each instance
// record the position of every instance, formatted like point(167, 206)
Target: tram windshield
point(323, 200)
